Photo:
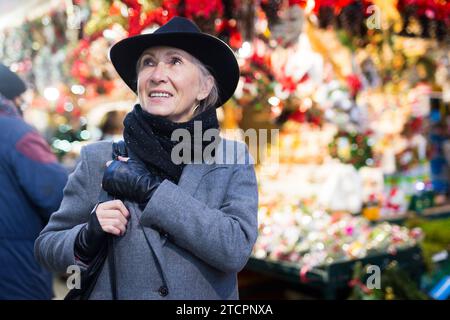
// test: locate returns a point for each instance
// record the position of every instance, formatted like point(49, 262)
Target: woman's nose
point(159, 74)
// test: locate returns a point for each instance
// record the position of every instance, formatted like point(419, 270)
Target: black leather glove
point(130, 180)
point(89, 240)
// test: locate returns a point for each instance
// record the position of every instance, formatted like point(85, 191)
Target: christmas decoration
point(349, 91)
point(429, 18)
point(395, 284)
point(436, 237)
point(352, 148)
point(313, 238)
point(90, 67)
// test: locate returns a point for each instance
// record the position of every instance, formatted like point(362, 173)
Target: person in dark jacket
point(31, 188)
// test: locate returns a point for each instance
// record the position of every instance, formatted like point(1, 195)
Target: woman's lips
point(158, 99)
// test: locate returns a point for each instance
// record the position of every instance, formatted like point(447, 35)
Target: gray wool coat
point(198, 234)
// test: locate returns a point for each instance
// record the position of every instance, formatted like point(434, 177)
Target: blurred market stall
point(360, 92)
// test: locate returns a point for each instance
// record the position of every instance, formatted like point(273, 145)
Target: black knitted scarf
point(148, 137)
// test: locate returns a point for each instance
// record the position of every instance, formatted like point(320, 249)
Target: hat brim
point(215, 54)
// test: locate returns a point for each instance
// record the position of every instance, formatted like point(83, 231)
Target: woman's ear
point(206, 85)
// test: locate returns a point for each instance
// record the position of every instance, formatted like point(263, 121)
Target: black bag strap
point(118, 149)
point(112, 267)
point(104, 196)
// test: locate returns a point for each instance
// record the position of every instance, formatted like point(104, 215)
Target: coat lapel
point(192, 173)
point(191, 177)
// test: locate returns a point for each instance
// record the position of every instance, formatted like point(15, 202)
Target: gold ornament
point(389, 294)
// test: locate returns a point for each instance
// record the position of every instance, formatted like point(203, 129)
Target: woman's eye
point(176, 60)
point(147, 62)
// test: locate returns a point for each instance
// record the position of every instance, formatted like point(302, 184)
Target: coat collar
point(192, 173)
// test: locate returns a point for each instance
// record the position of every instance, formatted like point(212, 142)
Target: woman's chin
point(157, 110)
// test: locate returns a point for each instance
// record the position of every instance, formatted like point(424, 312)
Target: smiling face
point(170, 84)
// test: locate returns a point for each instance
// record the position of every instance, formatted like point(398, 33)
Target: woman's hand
point(109, 217)
point(113, 217)
point(129, 179)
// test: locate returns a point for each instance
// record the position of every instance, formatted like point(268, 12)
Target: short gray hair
point(213, 97)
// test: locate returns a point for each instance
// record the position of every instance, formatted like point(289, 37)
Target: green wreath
point(352, 148)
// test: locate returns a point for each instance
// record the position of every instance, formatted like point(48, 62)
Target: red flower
point(114, 10)
point(133, 4)
point(235, 39)
point(288, 84)
point(172, 7)
point(354, 84)
point(301, 3)
point(203, 8)
point(257, 59)
point(298, 116)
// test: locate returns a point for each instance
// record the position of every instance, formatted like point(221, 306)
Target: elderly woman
point(180, 230)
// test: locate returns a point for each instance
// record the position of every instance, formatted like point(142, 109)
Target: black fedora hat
point(183, 34)
point(11, 86)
